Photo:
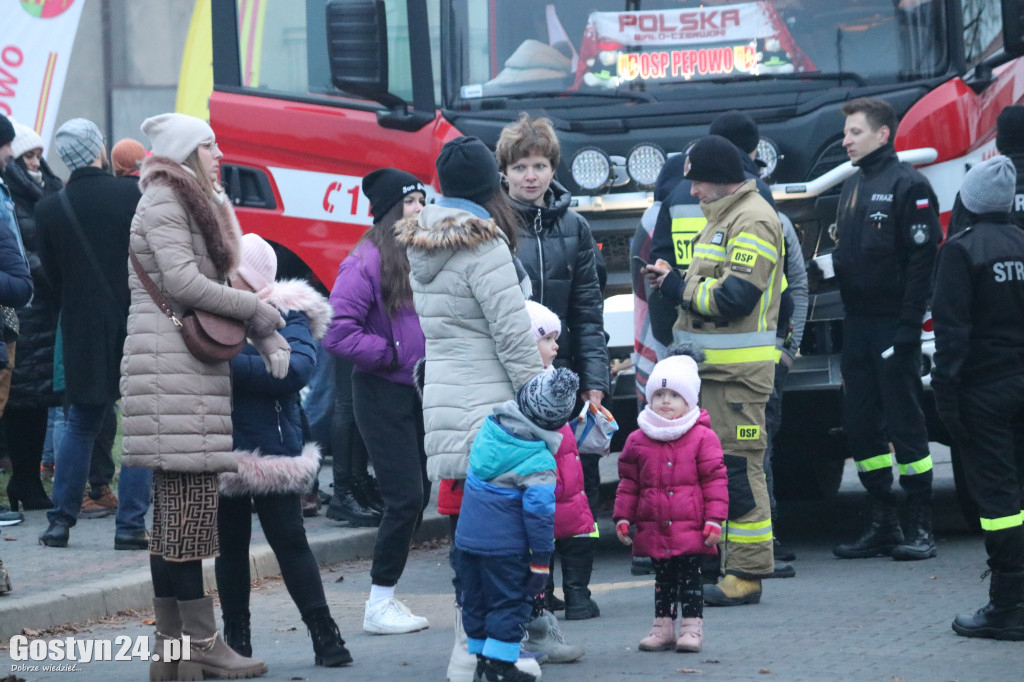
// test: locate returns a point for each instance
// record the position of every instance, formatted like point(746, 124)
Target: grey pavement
point(872, 619)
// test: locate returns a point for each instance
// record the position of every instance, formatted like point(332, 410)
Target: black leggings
point(281, 519)
point(678, 580)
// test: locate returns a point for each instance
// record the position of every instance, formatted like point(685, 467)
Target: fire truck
point(311, 95)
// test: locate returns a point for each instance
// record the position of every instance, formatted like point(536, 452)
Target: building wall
point(147, 42)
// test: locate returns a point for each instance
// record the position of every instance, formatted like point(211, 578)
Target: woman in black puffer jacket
point(30, 179)
point(558, 252)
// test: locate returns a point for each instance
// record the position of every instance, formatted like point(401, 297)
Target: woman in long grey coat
point(479, 347)
point(177, 409)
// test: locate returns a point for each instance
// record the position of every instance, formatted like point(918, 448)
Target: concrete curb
point(103, 597)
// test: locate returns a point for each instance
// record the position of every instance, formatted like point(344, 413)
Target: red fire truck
point(311, 95)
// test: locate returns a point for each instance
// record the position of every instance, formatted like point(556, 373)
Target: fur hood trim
point(216, 221)
point(296, 294)
point(260, 474)
point(440, 227)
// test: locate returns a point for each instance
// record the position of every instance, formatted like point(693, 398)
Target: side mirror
point(1013, 27)
point(357, 41)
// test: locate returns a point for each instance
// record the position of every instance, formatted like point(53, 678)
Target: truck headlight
point(591, 169)
point(644, 163)
point(768, 154)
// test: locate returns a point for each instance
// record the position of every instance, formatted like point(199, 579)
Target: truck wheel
point(968, 507)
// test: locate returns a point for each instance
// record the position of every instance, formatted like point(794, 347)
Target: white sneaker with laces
point(391, 617)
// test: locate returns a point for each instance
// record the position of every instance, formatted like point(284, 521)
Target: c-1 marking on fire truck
point(322, 196)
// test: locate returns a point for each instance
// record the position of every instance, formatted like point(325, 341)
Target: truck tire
point(809, 453)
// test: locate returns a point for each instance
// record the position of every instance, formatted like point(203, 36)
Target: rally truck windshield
point(622, 48)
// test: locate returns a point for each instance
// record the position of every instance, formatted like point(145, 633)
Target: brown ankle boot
point(691, 635)
point(662, 637)
point(168, 629)
point(210, 656)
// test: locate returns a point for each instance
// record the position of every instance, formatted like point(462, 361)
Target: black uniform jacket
point(888, 232)
point(979, 303)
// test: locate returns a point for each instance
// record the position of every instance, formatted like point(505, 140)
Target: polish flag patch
point(922, 204)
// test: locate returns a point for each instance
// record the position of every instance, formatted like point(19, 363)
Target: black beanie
point(467, 169)
point(714, 159)
point(385, 187)
point(6, 131)
point(1010, 130)
point(738, 128)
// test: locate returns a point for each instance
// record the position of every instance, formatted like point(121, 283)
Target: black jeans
point(348, 451)
point(773, 422)
point(281, 519)
point(101, 464)
point(992, 415)
point(882, 404)
point(677, 581)
point(390, 417)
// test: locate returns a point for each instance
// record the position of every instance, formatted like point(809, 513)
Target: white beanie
point(677, 373)
point(175, 136)
point(25, 140)
point(542, 320)
point(989, 187)
point(259, 262)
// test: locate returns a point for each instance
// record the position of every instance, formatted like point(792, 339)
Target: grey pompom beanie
point(989, 186)
point(548, 399)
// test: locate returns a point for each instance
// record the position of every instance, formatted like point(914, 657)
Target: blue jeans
point(54, 433)
point(72, 458)
point(134, 495)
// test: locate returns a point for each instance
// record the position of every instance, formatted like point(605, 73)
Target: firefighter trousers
point(882, 403)
point(738, 418)
point(992, 446)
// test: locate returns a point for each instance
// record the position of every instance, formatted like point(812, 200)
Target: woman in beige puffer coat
point(177, 409)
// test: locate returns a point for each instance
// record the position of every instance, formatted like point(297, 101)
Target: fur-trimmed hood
point(438, 233)
point(297, 294)
point(216, 220)
point(260, 474)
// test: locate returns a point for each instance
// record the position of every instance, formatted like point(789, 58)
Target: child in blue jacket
point(506, 530)
point(276, 464)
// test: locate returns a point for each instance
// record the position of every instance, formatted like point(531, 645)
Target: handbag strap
point(154, 291)
point(76, 226)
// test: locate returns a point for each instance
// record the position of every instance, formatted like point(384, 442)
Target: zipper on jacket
point(537, 227)
point(277, 409)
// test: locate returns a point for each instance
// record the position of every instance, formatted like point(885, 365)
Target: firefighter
point(887, 232)
point(729, 305)
point(978, 380)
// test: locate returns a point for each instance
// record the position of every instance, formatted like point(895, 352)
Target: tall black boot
point(919, 543)
point(883, 534)
point(328, 645)
point(25, 489)
point(238, 634)
point(577, 556)
point(1003, 616)
point(345, 507)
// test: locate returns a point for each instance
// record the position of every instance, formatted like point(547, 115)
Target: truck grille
point(615, 249)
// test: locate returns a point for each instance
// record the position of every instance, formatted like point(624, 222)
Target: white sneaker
point(391, 617)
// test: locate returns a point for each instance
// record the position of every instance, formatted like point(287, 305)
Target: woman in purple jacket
point(376, 328)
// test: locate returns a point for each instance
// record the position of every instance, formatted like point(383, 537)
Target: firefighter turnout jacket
point(730, 297)
point(887, 232)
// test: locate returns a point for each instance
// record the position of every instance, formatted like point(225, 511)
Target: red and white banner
point(721, 24)
point(36, 37)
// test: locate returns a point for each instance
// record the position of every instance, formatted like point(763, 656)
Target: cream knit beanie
point(175, 136)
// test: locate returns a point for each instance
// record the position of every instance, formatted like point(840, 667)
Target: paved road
point(837, 620)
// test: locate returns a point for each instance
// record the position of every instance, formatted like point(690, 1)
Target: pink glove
point(622, 530)
point(712, 533)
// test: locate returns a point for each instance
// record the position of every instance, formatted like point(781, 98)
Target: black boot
point(881, 537)
point(345, 507)
point(238, 635)
point(25, 489)
point(57, 534)
point(364, 487)
point(328, 645)
point(493, 670)
point(577, 556)
point(641, 565)
point(919, 544)
point(1003, 616)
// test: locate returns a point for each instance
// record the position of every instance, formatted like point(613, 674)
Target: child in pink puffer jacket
point(673, 488)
